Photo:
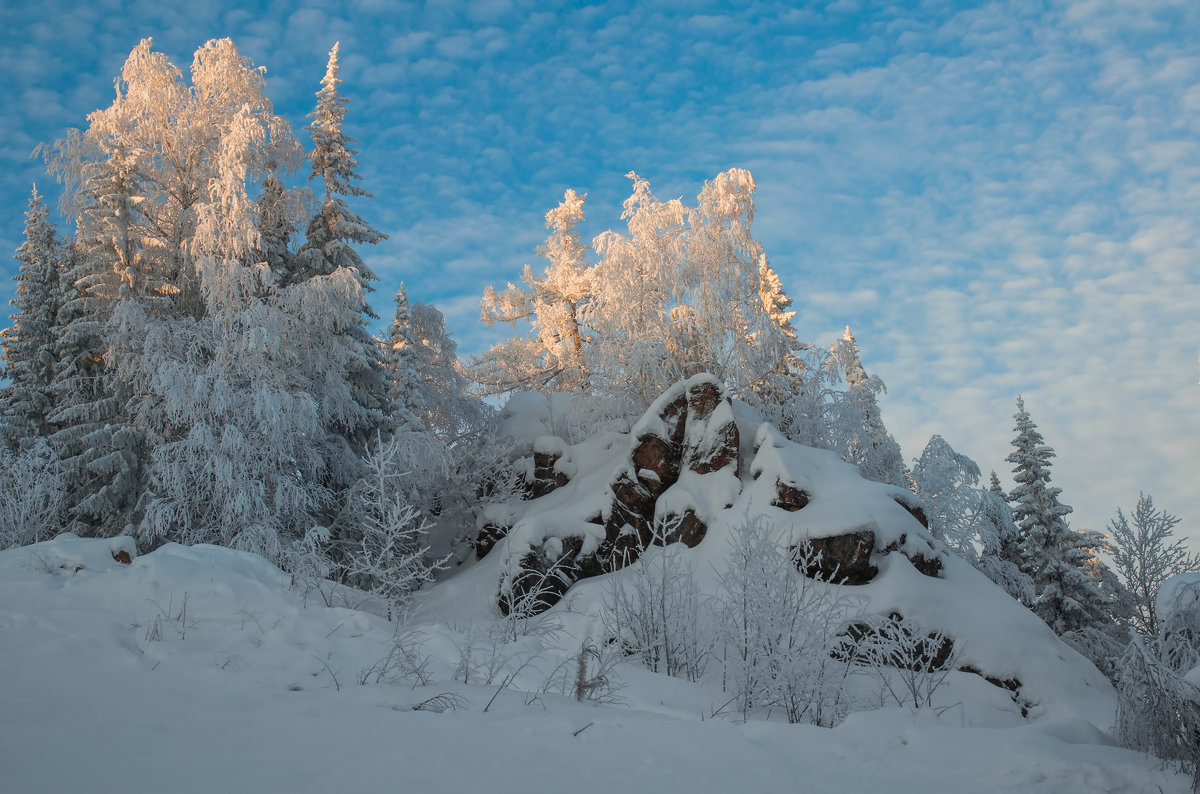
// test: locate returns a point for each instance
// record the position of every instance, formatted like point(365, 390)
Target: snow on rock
point(678, 467)
point(69, 554)
point(697, 466)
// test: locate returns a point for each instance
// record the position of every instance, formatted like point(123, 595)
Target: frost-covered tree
point(31, 494)
point(1158, 702)
point(100, 452)
point(29, 345)
point(447, 406)
point(975, 522)
point(136, 179)
point(384, 535)
point(1055, 556)
point(241, 459)
point(1146, 554)
point(280, 210)
point(335, 229)
point(856, 424)
point(551, 356)
point(353, 396)
point(687, 290)
point(1002, 562)
point(405, 400)
point(779, 630)
point(946, 481)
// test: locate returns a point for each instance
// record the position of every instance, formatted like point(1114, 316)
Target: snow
point(1178, 593)
point(203, 669)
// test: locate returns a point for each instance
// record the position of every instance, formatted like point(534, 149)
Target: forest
point(193, 363)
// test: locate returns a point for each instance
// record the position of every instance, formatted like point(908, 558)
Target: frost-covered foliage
point(1056, 557)
point(446, 407)
point(946, 482)
point(335, 227)
point(400, 367)
point(779, 631)
point(686, 290)
point(1146, 555)
point(655, 611)
point(209, 383)
point(856, 427)
point(28, 345)
point(553, 304)
point(31, 494)
point(382, 534)
point(975, 522)
point(911, 663)
point(353, 393)
point(1158, 680)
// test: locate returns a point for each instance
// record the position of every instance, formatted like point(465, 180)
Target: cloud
point(999, 200)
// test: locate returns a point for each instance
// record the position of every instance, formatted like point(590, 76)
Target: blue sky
point(998, 198)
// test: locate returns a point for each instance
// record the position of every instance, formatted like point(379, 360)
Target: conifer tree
point(1055, 556)
point(857, 429)
point(446, 407)
point(400, 365)
point(352, 388)
point(101, 452)
point(336, 228)
point(29, 344)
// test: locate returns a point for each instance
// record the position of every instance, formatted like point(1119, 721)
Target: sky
point(999, 199)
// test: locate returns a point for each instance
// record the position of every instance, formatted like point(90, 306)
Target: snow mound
point(697, 467)
point(204, 669)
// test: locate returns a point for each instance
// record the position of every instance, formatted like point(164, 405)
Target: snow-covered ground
point(204, 669)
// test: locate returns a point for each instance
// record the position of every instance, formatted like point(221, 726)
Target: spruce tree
point(1056, 557)
point(856, 427)
point(400, 365)
point(349, 379)
point(29, 344)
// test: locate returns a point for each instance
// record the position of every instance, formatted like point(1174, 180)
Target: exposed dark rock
point(913, 509)
point(545, 476)
point(658, 457)
point(907, 649)
point(541, 582)
point(928, 564)
point(489, 535)
point(789, 497)
point(686, 528)
point(720, 445)
point(845, 559)
point(721, 452)
point(674, 416)
point(1012, 685)
point(702, 400)
point(630, 494)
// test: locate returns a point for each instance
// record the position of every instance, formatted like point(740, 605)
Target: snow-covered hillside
point(202, 669)
point(206, 669)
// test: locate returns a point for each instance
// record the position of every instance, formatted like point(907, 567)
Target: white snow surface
point(203, 669)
